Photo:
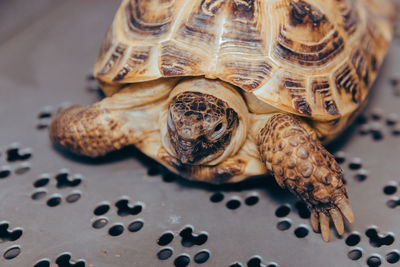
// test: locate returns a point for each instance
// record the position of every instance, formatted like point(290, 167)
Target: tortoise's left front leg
point(303, 165)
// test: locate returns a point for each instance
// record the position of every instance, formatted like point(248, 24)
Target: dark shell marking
point(240, 40)
point(149, 18)
point(115, 58)
point(178, 62)
point(303, 13)
point(327, 42)
point(243, 9)
point(247, 75)
point(134, 63)
point(355, 76)
point(194, 28)
point(296, 88)
point(347, 83)
point(177, 56)
point(322, 91)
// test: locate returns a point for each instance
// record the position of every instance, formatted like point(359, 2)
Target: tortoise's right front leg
point(91, 130)
point(303, 165)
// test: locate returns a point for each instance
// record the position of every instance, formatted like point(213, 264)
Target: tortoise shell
point(316, 59)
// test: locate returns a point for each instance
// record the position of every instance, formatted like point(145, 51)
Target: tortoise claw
point(320, 218)
point(315, 220)
point(324, 223)
point(346, 210)
point(337, 220)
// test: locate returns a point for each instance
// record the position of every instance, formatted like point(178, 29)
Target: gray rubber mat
point(124, 210)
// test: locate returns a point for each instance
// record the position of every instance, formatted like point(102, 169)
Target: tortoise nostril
point(184, 160)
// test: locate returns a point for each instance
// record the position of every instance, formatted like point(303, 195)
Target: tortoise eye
point(219, 126)
point(218, 131)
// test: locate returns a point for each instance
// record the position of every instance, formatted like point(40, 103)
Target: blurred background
point(17, 14)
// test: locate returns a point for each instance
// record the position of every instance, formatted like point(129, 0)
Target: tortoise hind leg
point(303, 165)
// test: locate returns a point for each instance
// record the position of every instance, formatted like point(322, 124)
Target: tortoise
point(219, 91)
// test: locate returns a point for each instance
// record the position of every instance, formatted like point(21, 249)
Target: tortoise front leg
point(303, 165)
point(91, 131)
point(129, 117)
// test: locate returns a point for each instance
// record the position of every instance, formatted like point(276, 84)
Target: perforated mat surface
point(60, 210)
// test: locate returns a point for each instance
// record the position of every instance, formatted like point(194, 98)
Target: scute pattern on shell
point(312, 58)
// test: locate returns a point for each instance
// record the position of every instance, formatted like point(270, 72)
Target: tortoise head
point(203, 123)
point(200, 126)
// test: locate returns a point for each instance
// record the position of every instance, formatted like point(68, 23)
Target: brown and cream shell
point(316, 59)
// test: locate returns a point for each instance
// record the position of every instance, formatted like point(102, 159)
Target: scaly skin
point(90, 131)
point(287, 148)
point(303, 165)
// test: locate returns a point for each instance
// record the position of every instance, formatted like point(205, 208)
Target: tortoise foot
point(320, 217)
point(303, 165)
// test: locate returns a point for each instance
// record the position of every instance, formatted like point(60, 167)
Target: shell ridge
point(300, 56)
point(178, 19)
point(215, 59)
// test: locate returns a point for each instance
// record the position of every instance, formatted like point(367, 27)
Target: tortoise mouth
point(186, 151)
point(195, 152)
